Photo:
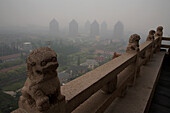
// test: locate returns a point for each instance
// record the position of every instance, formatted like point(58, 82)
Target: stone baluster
point(149, 52)
point(41, 91)
point(133, 48)
point(159, 34)
point(123, 90)
point(110, 86)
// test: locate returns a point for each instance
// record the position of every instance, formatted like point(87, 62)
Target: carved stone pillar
point(132, 48)
point(41, 91)
point(123, 91)
point(149, 52)
point(151, 36)
point(159, 34)
point(110, 86)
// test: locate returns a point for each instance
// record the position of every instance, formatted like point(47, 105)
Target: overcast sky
point(136, 15)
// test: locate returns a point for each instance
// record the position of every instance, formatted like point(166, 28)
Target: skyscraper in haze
point(73, 28)
point(87, 27)
point(118, 30)
point(103, 32)
point(54, 27)
point(94, 30)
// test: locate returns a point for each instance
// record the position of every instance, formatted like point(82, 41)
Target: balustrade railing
point(42, 94)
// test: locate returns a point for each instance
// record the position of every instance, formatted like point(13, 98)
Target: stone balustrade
point(41, 93)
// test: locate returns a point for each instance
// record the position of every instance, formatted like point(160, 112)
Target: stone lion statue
point(159, 31)
point(151, 36)
point(42, 87)
point(115, 55)
point(133, 43)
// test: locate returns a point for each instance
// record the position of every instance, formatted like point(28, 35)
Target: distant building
point(63, 77)
point(103, 29)
point(54, 27)
point(90, 63)
point(76, 70)
point(87, 27)
point(100, 59)
point(71, 73)
point(94, 30)
point(73, 28)
point(118, 30)
point(27, 47)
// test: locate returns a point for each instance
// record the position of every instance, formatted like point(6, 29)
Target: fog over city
point(136, 15)
point(45, 44)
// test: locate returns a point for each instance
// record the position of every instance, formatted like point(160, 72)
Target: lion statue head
point(42, 64)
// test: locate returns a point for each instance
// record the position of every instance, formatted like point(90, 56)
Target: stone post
point(149, 52)
point(41, 91)
point(159, 34)
point(123, 91)
point(110, 86)
point(133, 48)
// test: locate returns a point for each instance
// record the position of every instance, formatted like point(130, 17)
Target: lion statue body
point(42, 87)
point(133, 45)
point(151, 36)
point(159, 31)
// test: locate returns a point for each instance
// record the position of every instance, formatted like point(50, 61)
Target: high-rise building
point(73, 28)
point(94, 30)
point(54, 27)
point(118, 30)
point(87, 27)
point(103, 32)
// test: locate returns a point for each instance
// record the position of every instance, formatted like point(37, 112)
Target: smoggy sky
point(136, 15)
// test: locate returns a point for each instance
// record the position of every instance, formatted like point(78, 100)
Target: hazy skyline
point(136, 15)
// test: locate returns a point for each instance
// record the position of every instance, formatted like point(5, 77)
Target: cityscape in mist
point(136, 15)
point(85, 34)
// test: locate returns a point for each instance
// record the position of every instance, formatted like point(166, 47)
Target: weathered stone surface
point(41, 91)
point(110, 86)
point(133, 45)
point(19, 111)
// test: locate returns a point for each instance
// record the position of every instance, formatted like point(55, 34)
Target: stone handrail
point(80, 89)
point(164, 45)
point(166, 38)
point(111, 78)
